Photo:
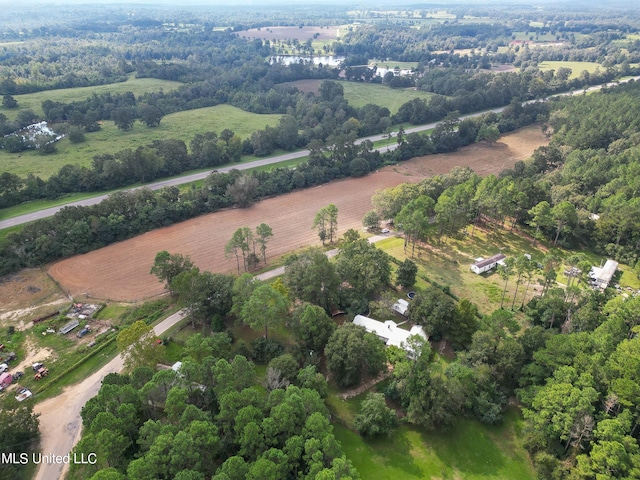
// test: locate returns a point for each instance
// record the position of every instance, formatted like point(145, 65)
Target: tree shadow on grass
point(397, 453)
point(469, 450)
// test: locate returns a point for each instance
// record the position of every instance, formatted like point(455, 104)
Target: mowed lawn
point(181, 125)
point(138, 86)
point(360, 94)
point(576, 67)
point(449, 263)
point(466, 450)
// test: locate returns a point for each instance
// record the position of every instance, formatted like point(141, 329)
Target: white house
point(401, 306)
point(601, 276)
point(485, 264)
point(389, 332)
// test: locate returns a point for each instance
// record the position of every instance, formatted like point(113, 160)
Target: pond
point(325, 60)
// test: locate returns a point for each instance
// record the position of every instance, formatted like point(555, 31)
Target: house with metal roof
point(390, 332)
point(401, 306)
point(485, 264)
point(601, 276)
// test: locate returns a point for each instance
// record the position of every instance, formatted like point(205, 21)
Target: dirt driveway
point(121, 271)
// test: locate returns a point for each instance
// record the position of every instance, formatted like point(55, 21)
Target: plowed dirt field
point(121, 271)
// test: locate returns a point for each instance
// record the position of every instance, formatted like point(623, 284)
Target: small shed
point(401, 306)
point(485, 264)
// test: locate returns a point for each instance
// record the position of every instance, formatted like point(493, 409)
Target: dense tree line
point(210, 420)
point(579, 189)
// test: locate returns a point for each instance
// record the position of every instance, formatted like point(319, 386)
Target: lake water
point(326, 60)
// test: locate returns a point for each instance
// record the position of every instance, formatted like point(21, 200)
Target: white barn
point(389, 332)
point(485, 264)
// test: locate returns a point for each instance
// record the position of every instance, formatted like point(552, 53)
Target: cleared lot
point(121, 271)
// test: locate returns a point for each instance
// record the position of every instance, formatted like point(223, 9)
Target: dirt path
point(60, 422)
point(354, 392)
point(121, 271)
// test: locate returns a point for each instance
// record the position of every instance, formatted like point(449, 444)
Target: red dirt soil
point(120, 271)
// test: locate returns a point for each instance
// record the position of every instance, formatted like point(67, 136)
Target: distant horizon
point(354, 3)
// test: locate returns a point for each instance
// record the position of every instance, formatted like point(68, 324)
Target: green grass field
point(467, 450)
point(33, 101)
point(180, 125)
point(576, 67)
point(360, 94)
point(448, 263)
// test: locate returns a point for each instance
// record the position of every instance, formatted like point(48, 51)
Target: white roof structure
point(602, 275)
point(401, 306)
point(389, 332)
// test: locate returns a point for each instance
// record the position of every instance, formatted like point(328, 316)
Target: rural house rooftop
point(485, 264)
point(602, 275)
point(389, 332)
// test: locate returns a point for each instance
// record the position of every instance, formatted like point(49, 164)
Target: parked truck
point(42, 372)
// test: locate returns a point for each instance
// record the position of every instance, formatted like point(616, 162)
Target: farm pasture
point(138, 86)
point(360, 94)
point(109, 139)
point(576, 67)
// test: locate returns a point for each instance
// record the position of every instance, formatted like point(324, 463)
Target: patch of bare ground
point(507, 67)
point(294, 33)
point(33, 354)
point(306, 86)
point(26, 295)
point(120, 272)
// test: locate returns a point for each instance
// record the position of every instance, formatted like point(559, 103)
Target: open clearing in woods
point(121, 271)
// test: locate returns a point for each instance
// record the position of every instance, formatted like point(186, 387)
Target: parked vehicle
point(37, 366)
point(5, 380)
point(83, 332)
point(17, 376)
point(23, 394)
point(43, 372)
point(9, 357)
point(3, 367)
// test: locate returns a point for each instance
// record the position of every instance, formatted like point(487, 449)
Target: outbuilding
point(401, 306)
point(485, 264)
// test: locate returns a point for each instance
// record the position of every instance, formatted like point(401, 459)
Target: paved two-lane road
point(47, 212)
